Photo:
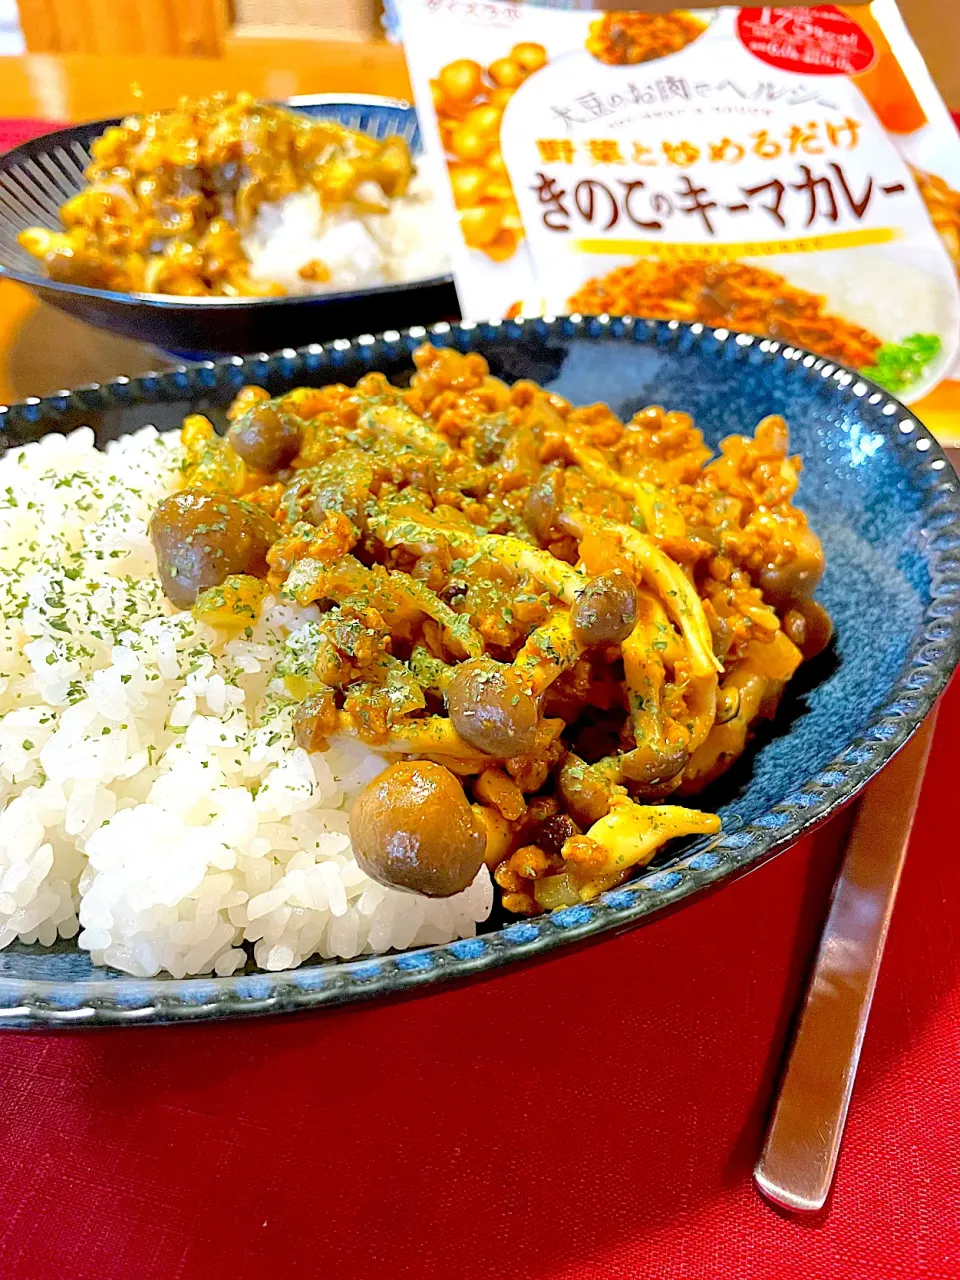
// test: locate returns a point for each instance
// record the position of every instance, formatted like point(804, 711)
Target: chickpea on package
point(792, 173)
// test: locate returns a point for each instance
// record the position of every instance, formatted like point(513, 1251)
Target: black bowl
point(37, 177)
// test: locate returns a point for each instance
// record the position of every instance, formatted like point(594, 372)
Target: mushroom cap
point(412, 828)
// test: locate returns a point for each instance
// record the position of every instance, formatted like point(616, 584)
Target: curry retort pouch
point(792, 173)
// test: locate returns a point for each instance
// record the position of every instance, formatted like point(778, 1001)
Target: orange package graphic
point(791, 173)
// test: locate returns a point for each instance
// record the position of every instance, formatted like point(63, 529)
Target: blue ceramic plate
point(878, 491)
point(38, 176)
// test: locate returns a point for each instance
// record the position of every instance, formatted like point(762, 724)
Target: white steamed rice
point(361, 250)
point(153, 801)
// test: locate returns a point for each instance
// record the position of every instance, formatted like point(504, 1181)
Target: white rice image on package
point(153, 801)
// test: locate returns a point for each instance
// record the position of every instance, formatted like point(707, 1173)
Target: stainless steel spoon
point(799, 1156)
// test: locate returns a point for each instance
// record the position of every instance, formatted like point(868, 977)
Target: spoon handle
point(803, 1138)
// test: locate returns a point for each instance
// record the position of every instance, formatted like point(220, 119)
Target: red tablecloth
point(595, 1117)
point(14, 131)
